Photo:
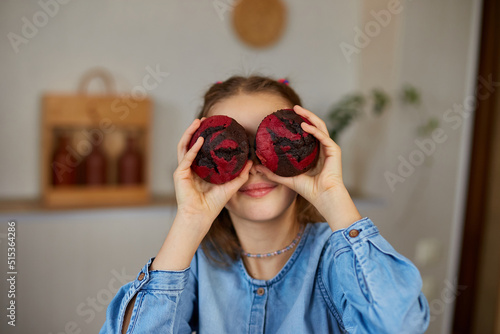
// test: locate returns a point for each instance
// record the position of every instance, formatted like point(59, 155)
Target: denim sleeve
point(368, 286)
point(165, 303)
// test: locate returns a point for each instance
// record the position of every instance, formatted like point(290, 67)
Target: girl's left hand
point(322, 186)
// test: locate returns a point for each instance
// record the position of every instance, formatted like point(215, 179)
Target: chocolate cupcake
point(282, 146)
point(224, 152)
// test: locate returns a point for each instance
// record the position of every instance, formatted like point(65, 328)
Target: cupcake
point(282, 146)
point(224, 152)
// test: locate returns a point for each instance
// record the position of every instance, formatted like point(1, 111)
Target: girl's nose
point(253, 170)
point(255, 160)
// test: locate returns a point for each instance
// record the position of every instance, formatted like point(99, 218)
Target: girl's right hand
point(198, 199)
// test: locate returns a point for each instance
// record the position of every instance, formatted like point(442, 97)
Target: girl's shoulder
point(320, 229)
point(317, 235)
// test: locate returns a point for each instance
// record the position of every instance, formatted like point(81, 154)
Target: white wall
point(68, 257)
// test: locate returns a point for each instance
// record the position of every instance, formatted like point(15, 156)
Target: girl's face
point(258, 199)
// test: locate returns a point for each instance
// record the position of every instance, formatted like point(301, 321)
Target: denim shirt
point(334, 282)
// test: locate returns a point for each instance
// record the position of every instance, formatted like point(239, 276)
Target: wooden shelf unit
point(103, 113)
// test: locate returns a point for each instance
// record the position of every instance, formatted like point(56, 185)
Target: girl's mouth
point(258, 190)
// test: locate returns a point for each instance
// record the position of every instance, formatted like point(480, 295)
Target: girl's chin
point(261, 218)
point(262, 208)
point(259, 211)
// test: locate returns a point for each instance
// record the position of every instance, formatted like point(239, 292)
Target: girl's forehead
point(250, 109)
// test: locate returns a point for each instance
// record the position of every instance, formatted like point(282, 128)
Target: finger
point(188, 158)
point(235, 184)
point(323, 138)
point(328, 149)
point(311, 117)
point(287, 181)
point(182, 146)
point(217, 195)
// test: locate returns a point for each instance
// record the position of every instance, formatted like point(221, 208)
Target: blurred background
point(113, 84)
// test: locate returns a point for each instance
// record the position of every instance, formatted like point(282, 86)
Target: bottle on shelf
point(63, 168)
point(95, 166)
point(130, 163)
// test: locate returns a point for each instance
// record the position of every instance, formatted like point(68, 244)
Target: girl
point(269, 254)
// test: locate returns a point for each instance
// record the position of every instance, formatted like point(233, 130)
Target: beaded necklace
point(287, 248)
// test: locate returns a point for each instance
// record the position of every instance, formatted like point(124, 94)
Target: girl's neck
point(267, 236)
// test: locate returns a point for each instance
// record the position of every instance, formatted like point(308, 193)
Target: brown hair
point(221, 244)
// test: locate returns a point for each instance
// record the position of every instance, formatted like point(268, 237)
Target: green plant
point(344, 112)
point(377, 101)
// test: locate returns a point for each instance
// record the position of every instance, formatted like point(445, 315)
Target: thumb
point(235, 184)
point(286, 181)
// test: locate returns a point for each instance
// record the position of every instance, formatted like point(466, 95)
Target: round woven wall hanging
point(259, 23)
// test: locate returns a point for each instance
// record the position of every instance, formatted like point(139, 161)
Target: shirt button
point(141, 276)
point(353, 233)
point(260, 291)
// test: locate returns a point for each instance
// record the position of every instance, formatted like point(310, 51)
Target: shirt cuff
point(148, 279)
point(354, 233)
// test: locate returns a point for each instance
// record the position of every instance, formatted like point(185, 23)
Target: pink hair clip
point(218, 82)
point(284, 81)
